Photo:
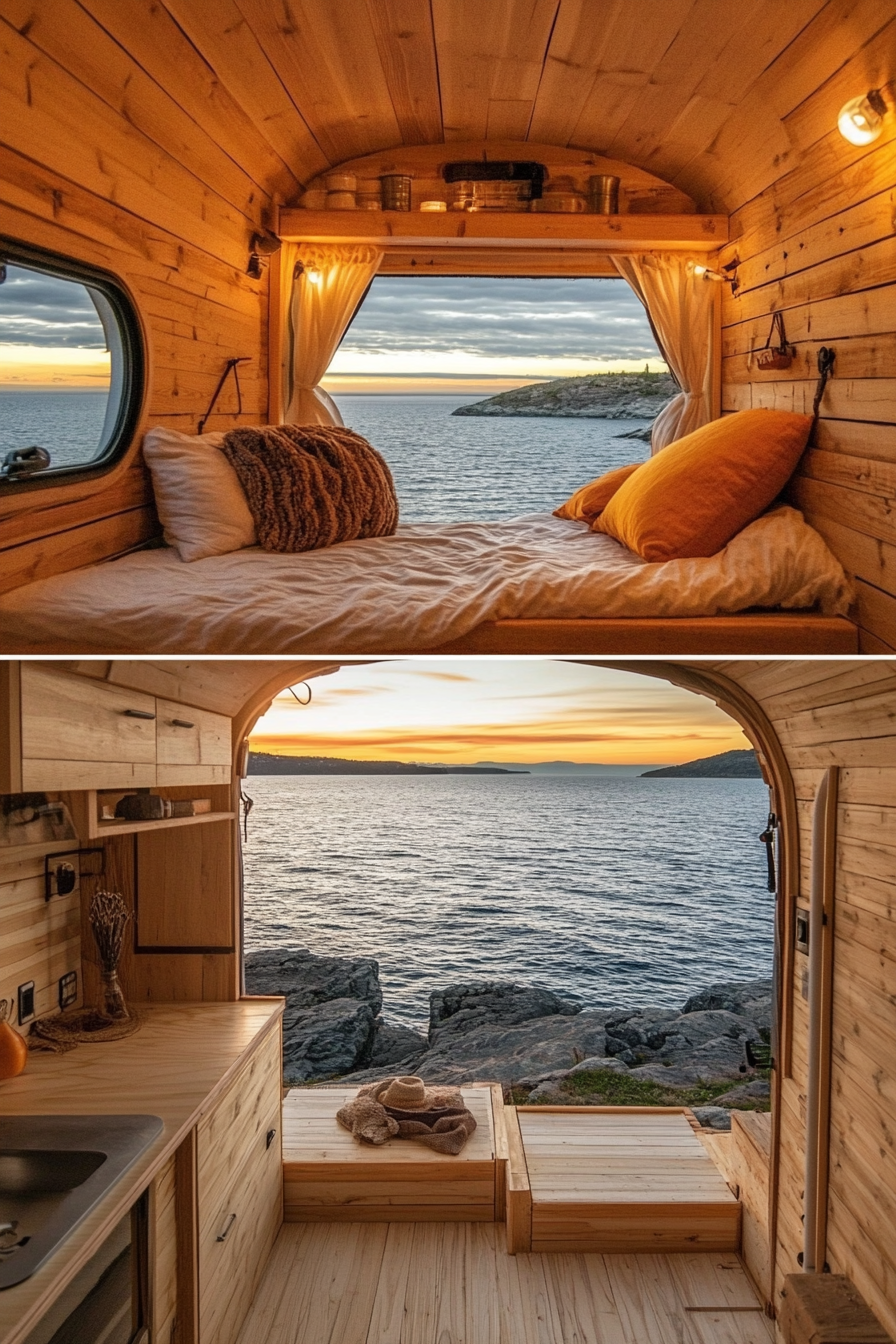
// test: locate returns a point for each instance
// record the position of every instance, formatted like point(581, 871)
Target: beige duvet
point(416, 590)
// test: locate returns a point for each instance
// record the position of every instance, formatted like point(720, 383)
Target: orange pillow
point(589, 500)
point(698, 493)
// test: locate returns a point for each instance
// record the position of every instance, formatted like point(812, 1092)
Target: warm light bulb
point(861, 119)
point(313, 277)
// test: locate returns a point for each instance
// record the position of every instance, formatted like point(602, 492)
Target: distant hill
point(265, 763)
point(568, 768)
point(596, 396)
point(727, 765)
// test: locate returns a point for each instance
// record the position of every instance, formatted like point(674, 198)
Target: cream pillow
point(199, 498)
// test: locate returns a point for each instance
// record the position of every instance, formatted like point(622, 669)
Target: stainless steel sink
point(53, 1170)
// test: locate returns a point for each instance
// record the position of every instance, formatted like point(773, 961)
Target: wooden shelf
point(85, 810)
point(609, 233)
point(103, 828)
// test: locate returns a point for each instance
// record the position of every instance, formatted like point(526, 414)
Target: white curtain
point(680, 308)
point(318, 303)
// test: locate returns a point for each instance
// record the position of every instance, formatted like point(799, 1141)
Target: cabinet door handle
point(271, 1136)
point(137, 714)
point(182, 723)
point(222, 1236)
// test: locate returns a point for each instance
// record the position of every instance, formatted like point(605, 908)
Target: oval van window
point(70, 368)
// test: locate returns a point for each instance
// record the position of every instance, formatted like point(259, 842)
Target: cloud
point(489, 316)
point(443, 676)
point(42, 310)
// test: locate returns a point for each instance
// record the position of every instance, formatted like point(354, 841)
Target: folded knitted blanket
point(309, 486)
point(443, 1127)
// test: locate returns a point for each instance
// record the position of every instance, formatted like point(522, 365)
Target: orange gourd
point(13, 1047)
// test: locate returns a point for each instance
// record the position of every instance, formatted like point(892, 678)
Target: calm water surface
point(615, 891)
point(446, 468)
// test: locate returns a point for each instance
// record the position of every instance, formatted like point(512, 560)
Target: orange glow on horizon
point(465, 711)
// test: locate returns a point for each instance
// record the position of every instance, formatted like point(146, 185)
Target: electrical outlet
point(26, 1002)
point(68, 989)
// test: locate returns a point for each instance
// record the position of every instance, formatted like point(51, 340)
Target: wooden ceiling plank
point(226, 42)
point(871, 66)
point(755, 148)
point(66, 33)
point(406, 46)
point(635, 39)
point(326, 55)
point(488, 52)
point(692, 53)
point(85, 142)
point(574, 56)
point(157, 43)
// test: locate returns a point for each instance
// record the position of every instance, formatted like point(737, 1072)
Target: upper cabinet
point(74, 733)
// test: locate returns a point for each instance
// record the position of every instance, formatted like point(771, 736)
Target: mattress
point(421, 588)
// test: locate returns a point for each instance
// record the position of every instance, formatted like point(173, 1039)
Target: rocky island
point(710, 1054)
point(725, 765)
point(596, 396)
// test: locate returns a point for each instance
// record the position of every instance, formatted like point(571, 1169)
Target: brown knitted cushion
point(309, 486)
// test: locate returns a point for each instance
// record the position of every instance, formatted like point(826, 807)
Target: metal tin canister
point(603, 194)
point(396, 191)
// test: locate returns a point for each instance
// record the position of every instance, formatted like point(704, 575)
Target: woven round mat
point(67, 1030)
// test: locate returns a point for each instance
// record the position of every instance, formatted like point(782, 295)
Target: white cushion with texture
point(200, 501)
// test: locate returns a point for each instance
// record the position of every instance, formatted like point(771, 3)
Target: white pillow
point(198, 494)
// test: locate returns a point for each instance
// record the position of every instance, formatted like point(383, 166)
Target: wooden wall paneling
point(66, 33)
point(150, 35)
point(184, 889)
point(44, 105)
point(822, 249)
point(40, 940)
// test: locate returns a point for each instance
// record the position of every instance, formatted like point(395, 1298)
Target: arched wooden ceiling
point(719, 98)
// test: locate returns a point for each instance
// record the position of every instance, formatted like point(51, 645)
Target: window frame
point(133, 359)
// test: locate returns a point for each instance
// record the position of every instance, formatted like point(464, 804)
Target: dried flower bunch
point(108, 919)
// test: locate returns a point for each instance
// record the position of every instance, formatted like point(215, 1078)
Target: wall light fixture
point(861, 119)
point(727, 275)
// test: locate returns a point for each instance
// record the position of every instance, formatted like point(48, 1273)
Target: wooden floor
point(454, 1283)
point(619, 1179)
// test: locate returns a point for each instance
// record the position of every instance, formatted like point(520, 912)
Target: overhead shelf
point(604, 233)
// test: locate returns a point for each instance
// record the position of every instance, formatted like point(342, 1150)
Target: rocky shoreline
point(596, 396)
point(710, 1054)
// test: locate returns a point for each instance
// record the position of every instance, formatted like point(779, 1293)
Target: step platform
point(329, 1177)
point(614, 1179)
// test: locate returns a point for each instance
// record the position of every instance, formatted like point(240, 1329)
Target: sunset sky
point(461, 711)
point(412, 334)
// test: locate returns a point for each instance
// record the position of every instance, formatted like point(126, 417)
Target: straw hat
point(411, 1094)
point(408, 1094)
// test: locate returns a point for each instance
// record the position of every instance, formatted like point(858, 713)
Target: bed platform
point(766, 633)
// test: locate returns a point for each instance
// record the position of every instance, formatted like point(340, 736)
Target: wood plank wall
point(40, 940)
point(99, 162)
point(845, 714)
point(818, 244)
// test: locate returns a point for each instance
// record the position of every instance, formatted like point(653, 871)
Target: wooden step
point(329, 1177)
point(613, 1179)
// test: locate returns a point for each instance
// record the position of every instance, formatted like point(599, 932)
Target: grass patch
point(605, 1087)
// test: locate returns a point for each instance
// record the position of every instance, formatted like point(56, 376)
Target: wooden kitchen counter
point(176, 1066)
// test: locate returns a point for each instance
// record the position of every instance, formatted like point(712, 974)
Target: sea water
point(610, 890)
point(447, 468)
point(68, 424)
